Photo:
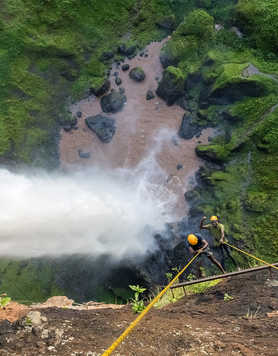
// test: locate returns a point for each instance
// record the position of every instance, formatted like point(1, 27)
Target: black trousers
point(225, 249)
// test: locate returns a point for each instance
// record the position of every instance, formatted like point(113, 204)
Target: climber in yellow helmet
point(198, 244)
point(217, 231)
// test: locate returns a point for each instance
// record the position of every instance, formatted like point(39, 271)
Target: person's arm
point(205, 245)
point(202, 226)
point(191, 250)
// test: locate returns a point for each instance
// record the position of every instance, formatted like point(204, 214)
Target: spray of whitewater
point(92, 212)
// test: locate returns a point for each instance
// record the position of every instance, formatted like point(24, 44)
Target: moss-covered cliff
point(53, 52)
point(232, 84)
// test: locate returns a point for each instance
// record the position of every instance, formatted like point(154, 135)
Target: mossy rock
point(214, 153)
point(260, 20)
point(137, 74)
point(198, 23)
point(171, 87)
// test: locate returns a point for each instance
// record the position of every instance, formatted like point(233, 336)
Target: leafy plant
point(4, 300)
point(137, 303)
point(169, 276)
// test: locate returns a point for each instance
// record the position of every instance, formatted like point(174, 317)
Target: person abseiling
point(198, 244)
point(217, 231)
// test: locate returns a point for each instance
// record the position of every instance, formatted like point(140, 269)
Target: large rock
point(113, 102)
point(188, 129)
point(171, 87)
point(103, 127)
point(137, 74)
point(127, 51)
point(99, 91)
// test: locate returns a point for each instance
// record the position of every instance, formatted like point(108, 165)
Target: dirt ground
point(203, 324)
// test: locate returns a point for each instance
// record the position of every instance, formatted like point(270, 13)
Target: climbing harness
point(146, 310)
point(249, 254)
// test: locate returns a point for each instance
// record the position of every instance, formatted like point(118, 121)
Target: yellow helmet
point(213, 218)
point(192, 239)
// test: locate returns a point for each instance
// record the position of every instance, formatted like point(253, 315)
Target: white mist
point(92, 212)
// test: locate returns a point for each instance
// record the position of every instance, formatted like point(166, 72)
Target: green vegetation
point(137, 303)
point(174, 295)
point(227, 297)
point(232, 83)
point(28, 281)
point(51, 54)
point(4, 300)
point(260, 20)
point(51, 51)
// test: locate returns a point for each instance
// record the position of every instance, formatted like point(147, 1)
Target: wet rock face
point(113, 102)
point(137, 74)
point(188, 129)
point(103, 127)
point(236, 92)
point(101, 90)
point(171, 87)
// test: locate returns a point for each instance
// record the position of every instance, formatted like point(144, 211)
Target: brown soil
point(145, 130)
point(198, 325)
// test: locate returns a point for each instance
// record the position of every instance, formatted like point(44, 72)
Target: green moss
point(256, 201)
point(198, 23)
point(28, 281)
point(216, 153)
point(260, 19)
point(230, 73)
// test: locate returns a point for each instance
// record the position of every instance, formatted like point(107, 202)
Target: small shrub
point(137, 304)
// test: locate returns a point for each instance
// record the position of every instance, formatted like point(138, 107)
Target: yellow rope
point(249, 254)
point(145, 311)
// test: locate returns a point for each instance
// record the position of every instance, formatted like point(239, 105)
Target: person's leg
point(222, 255)
point(227, 250)
point(214, 261)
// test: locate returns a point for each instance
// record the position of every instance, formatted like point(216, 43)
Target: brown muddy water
point(146, 135)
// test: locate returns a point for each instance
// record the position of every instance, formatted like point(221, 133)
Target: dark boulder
point(118, 80)
point(79, 114)
point(113, 102)
point(104, 127)
point(171, 86)
point(125, 67)
point(179, 166)
point(127, 51)
point(99, 91)
point(137, 74)
point(188, 129)
point(106, 56)
point(67, 127)
point(150, 95)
